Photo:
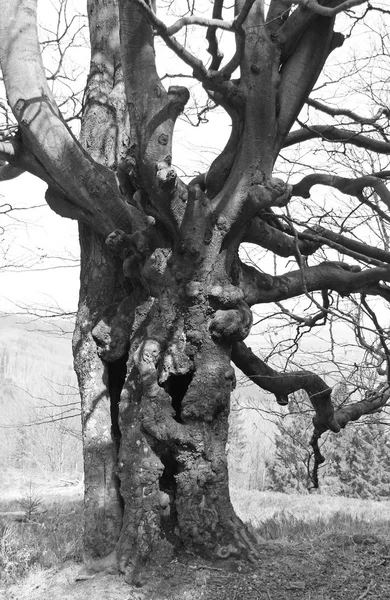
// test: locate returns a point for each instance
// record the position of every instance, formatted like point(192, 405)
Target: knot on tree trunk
point(112, 332)
point(232, 324)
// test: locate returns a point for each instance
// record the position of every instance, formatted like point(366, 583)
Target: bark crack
point(116, 378)
point(176, 386)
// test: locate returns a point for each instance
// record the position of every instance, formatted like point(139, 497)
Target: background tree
point(356, 461)
point(165, 300)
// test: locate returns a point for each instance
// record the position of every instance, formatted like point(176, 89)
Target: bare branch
point(198, 67)
point(211, 36)
point(260, 288)
point(92, 188)
point(266, 236)
point(372, 403)
point(326, 11)
point(345, 245)
point(344, 112)
point(352, 187)
point(232, 26)
point(197, 20)
point(284, 383)
point(329, 133)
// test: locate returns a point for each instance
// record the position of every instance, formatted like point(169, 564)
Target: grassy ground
point(314, 546)
point(286, 517)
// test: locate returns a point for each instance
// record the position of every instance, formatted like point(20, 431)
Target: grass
point(47, 540)
point(293, 518)
point(53, 535)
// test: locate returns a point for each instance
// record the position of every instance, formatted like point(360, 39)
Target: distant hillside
point(40, 411)
point(39, 389)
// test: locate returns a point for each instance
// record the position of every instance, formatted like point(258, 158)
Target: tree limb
point(284, 383)
point(304, 64)
point(326, 11)
point(197, 20)
point(260, 288)
point(344, 112)
point(199, 69)
point(359, 250)
point(352, 187)
point(329, 133)
point(43, 131)
point(211, 36)
point(372, 403)
point(266, 236)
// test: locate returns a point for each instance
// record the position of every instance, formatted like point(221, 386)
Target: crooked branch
point(352, 187)
point(281, 384)
point(260, 288)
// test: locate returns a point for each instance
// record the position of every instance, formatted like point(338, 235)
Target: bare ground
point(336, 567)
point(320, 548)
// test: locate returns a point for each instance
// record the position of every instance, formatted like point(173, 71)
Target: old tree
point(165, 299)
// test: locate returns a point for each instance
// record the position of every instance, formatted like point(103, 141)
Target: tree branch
point(304, 64)
point(329, 133)
point(197, 66)
point(153, 112)
point(213, 49)
point(372, 403)
point(326, 11)
point(284, 383)
point(197, 20)
point(343, 244)
point(260, 288)
point(343, 112)
point(44, 133)
point(352, 187)
point(266, 236)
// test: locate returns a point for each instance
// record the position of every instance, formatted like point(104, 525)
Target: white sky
point(31, 236)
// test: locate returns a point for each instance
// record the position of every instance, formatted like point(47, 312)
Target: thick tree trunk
point(166, 438)
point(100, 288)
